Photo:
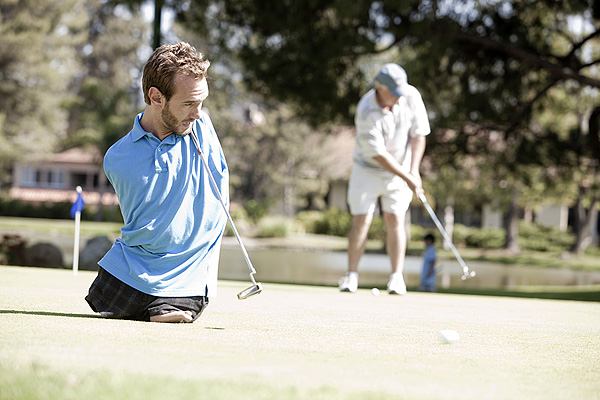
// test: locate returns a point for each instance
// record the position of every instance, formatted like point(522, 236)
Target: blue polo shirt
point(173, 221)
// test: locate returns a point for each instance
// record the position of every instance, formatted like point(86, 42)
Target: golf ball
point(375, 291)
point(449, 336)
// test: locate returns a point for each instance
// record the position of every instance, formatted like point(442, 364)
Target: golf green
point(295, 342)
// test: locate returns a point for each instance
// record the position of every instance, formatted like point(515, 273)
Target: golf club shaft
point(444, 233)
point(214, 185)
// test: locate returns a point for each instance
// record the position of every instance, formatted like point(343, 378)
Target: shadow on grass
point(49, 313)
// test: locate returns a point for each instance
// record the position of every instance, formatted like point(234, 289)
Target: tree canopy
point(499, 57)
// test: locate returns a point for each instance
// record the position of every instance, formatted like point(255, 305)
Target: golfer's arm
point(417, 148)
point(390, 164)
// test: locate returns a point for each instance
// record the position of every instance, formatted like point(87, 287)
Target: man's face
point(184, 107)
point(386, 97)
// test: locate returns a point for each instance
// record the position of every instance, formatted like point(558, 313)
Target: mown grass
point(294, 342)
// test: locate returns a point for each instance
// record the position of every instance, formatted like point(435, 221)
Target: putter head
point(467, 275)
point(250, 291)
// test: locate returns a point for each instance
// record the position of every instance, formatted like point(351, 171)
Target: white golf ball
point(375, 291)
point(449, 336)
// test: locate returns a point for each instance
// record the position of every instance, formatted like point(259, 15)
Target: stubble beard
point(172, 124)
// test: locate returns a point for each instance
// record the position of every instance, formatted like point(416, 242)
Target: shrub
point(256, 209)
point(308, 220)
point(274, 227)
point(333, 222)
point(12, 250)
point(16, 208)
point(536, 237)
point(240, 218)
point(488, 238)
point(377, 229)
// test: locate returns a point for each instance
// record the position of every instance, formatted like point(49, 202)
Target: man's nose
point(195, 114)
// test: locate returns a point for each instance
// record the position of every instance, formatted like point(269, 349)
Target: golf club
point(256, 288)
point(466, 273)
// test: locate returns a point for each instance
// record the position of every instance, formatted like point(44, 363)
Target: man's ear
point(156, 97)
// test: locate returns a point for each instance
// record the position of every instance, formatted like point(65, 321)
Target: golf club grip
point(214, 185)
point(442, 231)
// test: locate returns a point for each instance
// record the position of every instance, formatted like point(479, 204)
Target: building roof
point(37, 195)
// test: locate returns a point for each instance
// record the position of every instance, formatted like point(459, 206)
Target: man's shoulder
point(367, 105)
point(119, 145)
point(412, 94)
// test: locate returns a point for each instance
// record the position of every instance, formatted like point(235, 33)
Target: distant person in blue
point(163, 268)
point(428, 271)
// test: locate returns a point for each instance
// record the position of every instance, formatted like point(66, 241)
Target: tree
point(485, 68)
point(276, 159)
point(105, 93)
point(106, 90)
point(306, 51)
point(35, 65)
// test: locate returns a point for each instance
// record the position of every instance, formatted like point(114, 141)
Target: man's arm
point(417, 148)
point(413, 178)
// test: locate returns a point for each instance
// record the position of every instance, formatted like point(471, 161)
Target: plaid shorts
point(114, 299)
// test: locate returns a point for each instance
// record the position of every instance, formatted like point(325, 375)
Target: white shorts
point(367, 185)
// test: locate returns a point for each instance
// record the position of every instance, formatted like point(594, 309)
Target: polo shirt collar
point(138, 132)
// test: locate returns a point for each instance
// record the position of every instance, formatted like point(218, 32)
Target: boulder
point(44, 255)
point(93, 251)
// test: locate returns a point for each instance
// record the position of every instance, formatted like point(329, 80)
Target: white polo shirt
point(379, 130)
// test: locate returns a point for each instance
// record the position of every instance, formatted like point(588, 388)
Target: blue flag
point(77, 206)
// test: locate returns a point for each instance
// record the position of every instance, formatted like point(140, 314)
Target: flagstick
point(76, 242)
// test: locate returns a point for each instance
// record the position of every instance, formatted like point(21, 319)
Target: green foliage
point(479, 63)
point(102, 105)
point(504, 82)
point(34, 78)
point(256, 210)
point(274, 227)
point(532, 237)
point(536, 237)
point(336, 223)
point(488, 238)
point(309, 219)
point(12, 250)
point(332, 222)
point(16, 208)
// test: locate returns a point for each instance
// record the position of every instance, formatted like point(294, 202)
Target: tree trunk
point(449, 220)
point(156, 37)
point(583, 224)
point(528, 215)
point(512, 223)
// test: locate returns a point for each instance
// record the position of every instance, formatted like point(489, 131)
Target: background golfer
point(391, 125)
point(164, 266)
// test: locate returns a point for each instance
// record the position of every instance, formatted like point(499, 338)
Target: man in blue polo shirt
point(164, 266)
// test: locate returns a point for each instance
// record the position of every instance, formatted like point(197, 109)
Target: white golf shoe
point(349, 283)
point(396, 284)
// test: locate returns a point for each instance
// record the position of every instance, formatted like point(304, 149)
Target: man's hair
point(430, 237)
point(168, 60)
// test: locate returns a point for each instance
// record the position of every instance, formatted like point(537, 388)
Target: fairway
point(294, 342)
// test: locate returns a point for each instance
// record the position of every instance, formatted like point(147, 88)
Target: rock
point(44, 255)
point(93, 251)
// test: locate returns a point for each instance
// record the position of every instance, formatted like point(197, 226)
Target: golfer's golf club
point(256, 288)
point(466, 273)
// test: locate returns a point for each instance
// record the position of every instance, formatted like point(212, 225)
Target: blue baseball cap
point(393, 77)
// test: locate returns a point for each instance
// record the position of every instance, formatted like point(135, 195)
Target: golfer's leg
point(174, 316)
point(357, 239)
point(395, 240)
point(177, 309)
